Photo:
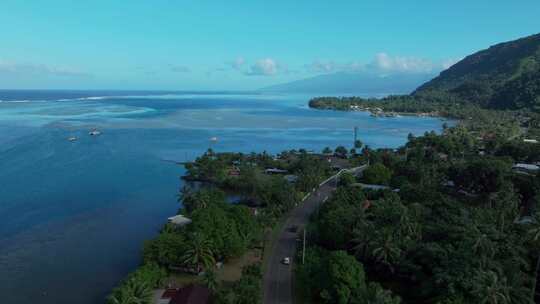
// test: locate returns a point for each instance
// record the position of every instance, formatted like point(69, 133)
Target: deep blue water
point(73, 215)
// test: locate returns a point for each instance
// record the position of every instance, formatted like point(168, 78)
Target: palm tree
point(490, 288)
point(405, 223)
point(133, 292)
point(535, 237)
point(483, 247)
point(507, 206)
point(168, 228)
point(246, 235)
point(535, 234)
point(210, 280)
point(194, 200)
point(122, 296)
point(377, 295)
point(199, 253)
point(361, 237)
point(186, 196)
point(185, 192)
point(141, 292)
point(387, 252)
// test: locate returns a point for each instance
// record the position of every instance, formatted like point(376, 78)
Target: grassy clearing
point(179, 279)
point(232, 270)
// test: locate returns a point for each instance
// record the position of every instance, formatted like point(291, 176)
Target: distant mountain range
point(504, 76)
point(354, 83)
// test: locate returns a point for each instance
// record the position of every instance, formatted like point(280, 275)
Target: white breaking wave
point(176, 96)
point(21, 101)
point(155, 96)
point(95, 98)
point(84, 98)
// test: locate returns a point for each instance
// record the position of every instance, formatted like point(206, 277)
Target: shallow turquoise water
point(73, 215)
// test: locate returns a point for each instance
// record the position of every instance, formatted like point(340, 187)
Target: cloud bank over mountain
point(354, 83)
point(384, 74)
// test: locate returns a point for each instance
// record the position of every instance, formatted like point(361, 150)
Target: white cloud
point(321, 67)
point(396, 64)
point(264, 67)
point(261, 67)
point(449, 62)
point(7, 67)
point(383, 64)
point(238, 63)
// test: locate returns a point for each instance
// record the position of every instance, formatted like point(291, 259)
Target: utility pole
point(355, 136)
point(304, 248)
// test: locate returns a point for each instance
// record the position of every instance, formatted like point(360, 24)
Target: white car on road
point(286, 261)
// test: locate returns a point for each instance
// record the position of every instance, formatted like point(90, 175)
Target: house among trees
point(179, 220)
point(526, 168)
point(275, 171)
point(291, 179)
point(525, 220)
point(442, 156)
point(234, 171)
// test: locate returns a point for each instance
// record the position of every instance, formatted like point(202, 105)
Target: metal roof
point(179, 220)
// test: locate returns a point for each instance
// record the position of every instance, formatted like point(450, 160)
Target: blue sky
point(200, 45)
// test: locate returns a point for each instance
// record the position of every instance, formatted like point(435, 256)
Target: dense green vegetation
point(251, 181)
point(219, 231)
point(337, 277)
point(450, 235)
point(247, 290)
point(377, 174)
point(139, 285)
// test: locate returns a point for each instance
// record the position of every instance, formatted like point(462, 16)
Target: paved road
point(277, 282)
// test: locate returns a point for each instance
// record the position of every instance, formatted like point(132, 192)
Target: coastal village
point(184, 284)
point(379, 112)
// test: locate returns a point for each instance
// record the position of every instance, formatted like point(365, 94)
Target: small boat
point(72, 138)
point(94, 133)
point(213, 138)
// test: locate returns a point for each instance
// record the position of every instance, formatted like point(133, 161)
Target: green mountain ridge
point(504, 76)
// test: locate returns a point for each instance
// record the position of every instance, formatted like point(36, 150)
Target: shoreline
point(435, 114)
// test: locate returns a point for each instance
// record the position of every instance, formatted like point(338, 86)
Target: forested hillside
point(504, 76)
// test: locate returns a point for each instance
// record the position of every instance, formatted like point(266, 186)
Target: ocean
point(74, 214)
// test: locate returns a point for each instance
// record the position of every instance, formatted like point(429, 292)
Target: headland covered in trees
point(232, 207)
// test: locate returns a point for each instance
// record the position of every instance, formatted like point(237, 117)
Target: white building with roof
point(526, 168)
point(179, 220)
